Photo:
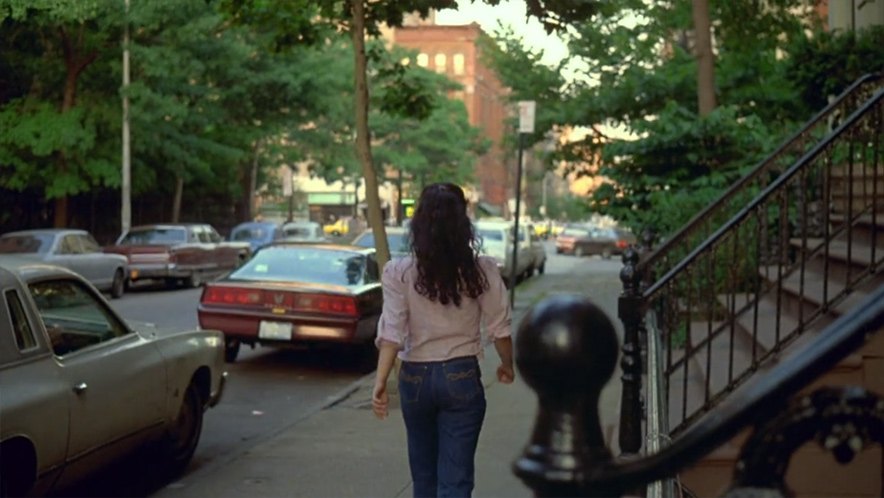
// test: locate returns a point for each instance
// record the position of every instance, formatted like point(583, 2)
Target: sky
point(509, 13)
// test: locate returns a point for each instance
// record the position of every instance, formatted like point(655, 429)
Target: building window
point(423, 60)
point(457, 61)
point(441, 61)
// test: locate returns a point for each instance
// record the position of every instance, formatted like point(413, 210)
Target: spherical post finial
point(566, 350)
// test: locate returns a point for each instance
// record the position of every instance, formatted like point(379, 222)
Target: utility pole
point(126, 183)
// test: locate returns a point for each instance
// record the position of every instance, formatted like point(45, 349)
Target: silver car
point(82, 387)
point(73, 249)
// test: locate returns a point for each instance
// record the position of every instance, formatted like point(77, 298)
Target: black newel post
point(566, 350)
point(630, 313)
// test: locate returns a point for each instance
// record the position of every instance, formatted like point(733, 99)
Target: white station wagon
point(80, 386)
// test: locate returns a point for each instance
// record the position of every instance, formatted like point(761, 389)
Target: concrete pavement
point(340, 449)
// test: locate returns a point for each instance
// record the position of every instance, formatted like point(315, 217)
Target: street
point(268, 390)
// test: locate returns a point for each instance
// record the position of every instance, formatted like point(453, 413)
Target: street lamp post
point(526, 125)
point(126, 181)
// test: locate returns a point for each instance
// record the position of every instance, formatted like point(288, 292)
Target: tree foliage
point(632, 88)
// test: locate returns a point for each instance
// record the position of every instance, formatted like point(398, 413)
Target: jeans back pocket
point(411, 378)
point(463, 379)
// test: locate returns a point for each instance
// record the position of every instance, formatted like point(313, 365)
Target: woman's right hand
point(380, 400)
point(505, 374)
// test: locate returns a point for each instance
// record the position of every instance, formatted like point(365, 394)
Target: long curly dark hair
point(445, 246)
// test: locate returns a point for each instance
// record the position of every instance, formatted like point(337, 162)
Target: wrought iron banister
point(721, 210)
point(747, 209)
point(566, 349)
point(733, 289)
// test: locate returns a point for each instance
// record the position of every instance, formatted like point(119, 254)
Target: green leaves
point(632, 87)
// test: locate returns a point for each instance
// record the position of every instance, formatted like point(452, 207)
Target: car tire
point(183, 435)
point(193, 280)
point(578, 251)
point(118, 286)
point(231, 349)
point(17, 469)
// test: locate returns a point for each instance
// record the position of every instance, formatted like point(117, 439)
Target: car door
point(117, 379)
point(35, 399)
point(68, 253)
point(223, 256)
point(192, 255)
point(97, 265)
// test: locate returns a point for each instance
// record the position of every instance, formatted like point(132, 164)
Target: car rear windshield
point(303, 264)
point(303, 231)
point(250, 233)
point(158, 236)
point(397, 242)
point(576, 232)
point(25, 244)
point(491, 234)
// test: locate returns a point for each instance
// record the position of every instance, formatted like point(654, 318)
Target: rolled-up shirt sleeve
point(393, 324)
point(496, 313)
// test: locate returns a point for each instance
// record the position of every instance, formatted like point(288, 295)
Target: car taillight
point(621, 244)
point(232, 295)
point(323, 303)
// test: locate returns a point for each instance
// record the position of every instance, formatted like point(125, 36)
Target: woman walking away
point(435, 301)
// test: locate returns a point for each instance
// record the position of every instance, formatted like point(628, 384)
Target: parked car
point(581, 241)
point(303, 231)
point(536, 249)
point(397, 240)
point(73, 249)
point(339, 227)
point(497, 241)
point(256, 233)
point(178, 253)
point(297, 293)
point(82, 387)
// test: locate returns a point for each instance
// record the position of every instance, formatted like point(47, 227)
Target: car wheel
point(231, 349)
point(336, 233)
point(119, 284)
point(183, 434)
point(17, 468)
point(606, 253)
point(578, 252)
point(193, 280)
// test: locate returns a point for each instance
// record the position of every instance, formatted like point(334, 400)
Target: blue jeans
point(443, 404)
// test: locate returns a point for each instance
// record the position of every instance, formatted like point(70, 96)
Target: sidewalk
point(341, 450)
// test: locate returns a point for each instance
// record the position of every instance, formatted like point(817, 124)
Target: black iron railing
point(769, 274)
point(784, 263)
point(566, 351)
point(703, 224)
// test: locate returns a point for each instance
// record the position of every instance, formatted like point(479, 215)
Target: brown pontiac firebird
point(297, 293)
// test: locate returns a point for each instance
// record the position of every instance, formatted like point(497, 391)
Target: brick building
point(454, 51)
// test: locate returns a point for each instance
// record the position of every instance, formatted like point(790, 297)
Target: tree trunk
point(363, 144)
point(74, 65)
point(176, 201)
point(705, 57)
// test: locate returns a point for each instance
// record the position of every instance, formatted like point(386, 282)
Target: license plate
point(279, 331)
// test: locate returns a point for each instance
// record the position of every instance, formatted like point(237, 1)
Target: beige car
point(81, 387)
point(497, 241)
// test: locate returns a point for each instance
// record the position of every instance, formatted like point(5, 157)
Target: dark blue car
point(257, 233)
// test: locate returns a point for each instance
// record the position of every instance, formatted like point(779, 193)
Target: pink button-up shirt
point(426, 330)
